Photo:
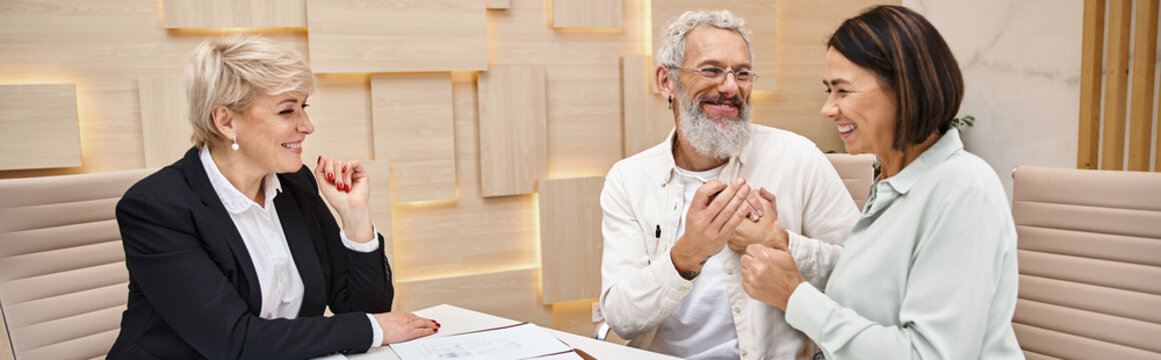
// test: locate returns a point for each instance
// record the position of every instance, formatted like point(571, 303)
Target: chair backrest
point(63, 282)
point(1090, 263)
point(857, 173)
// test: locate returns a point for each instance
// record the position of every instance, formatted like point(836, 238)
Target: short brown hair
point(912, 61)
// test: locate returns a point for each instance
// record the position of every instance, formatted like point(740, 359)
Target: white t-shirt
point(702, 326)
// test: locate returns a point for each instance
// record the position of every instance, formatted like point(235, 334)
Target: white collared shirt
point(640, 286)
point(929, 270)
point(701, 327)
point(261, 230)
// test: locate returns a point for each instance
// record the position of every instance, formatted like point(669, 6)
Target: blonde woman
point(232, 253)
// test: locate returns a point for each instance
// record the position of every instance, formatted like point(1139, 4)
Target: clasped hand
point(714, 214)
point(769, 275)
point(764, 228)
point(346, 186)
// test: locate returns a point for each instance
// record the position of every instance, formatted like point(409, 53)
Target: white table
point(455, 320)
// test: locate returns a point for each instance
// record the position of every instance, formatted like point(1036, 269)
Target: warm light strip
point(430, 203)
point(648, 22)
point(536, 233)
point(590, 30)
point(234, 30)
point(483, 271)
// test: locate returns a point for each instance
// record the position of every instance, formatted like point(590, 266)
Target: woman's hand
point(765, 230)
point(403, 326)
point(347, 188)
point(769, 275)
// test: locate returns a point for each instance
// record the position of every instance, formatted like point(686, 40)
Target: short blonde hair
point(231, 71)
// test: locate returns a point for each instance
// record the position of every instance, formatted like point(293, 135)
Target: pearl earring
point(234, 146)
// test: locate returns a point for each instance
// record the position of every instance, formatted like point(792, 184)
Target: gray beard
point(706, 137)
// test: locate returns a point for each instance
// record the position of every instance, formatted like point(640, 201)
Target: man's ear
point(664, 82)
point(225, 121)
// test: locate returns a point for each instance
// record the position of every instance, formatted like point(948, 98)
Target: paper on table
point(515, 342)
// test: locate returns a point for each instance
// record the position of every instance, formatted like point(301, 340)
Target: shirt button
point(280, 278)
point(665, 313)
point(744, 352)
point(729, 271)
point(684, 288)
point(737, 309)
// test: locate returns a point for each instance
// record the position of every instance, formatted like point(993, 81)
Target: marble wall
point(1021, 67)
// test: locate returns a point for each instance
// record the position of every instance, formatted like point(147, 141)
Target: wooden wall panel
point(38, 126)
point(102, 47)
point(499, 4)
point(340, 110)
point(1117, 84)
point(511, 294)
point(415, 131)
point(379, 172)
point(586, 13)
point(234, 13)
point(473, 234)
point(1141, 109)
point(584, 119)
point(165, 126)
point(570, 238)
point(583, 79)
point(1092, 60)
point(396, 35)
point(513, 134)
point(646, 119)
point(761, 18)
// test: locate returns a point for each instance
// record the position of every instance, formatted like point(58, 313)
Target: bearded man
point(678, 215)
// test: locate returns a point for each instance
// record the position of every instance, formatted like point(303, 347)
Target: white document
point(525, 341)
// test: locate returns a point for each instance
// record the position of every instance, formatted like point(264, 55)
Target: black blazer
point(193, 292)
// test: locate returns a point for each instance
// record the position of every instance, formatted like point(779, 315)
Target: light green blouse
point(929, 271)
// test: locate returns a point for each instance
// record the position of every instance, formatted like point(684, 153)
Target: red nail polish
point(435, 330)
point(344, 168)
point(320, 159)
point(348, 188)
point(330, 177)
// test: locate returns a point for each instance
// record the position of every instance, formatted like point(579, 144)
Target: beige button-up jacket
point(642, 201)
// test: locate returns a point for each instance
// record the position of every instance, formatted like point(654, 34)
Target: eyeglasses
point(717, 74)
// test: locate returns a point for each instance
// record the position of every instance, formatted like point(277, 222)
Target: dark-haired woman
point(929, 270)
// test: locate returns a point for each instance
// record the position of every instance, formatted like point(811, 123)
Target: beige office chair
point(857, 174)
point(1090, 263)
point(854, 170)
point(63, 282)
